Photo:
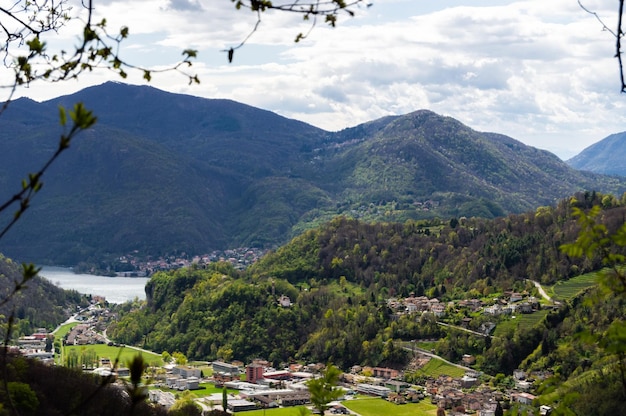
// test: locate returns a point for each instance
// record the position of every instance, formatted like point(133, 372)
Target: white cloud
point(541, 72)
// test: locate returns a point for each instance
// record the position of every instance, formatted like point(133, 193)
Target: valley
point(442, 266)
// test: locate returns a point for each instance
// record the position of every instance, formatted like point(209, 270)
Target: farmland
point(567, 289)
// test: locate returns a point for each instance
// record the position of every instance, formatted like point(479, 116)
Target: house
point(397, 386)
point(468, 359)
point(220, 379)
point(516, 297)
point(468, 382)
point(519, 374)
point(524, 398)
point(525, 307)
point(493, 310)
point(386, 373)
point(544, 410)
point(438, 310)
point(284, 301)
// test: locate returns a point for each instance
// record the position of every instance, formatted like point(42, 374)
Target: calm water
point(114, 289)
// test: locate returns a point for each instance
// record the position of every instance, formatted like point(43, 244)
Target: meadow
point(436, 367)
point(367, 406)
point(522, 320)
point(122, 354)
point(62, 330)
point(373, 406)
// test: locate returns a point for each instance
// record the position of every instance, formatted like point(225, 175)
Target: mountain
point(608, 156)
point(164, 173)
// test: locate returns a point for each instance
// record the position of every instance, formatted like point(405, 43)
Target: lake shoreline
point(115, 289)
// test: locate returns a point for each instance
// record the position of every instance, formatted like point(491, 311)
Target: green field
point(62, 330)
point(283, 411)
point(567, 289)
point(523, 320)
point(377, 407)
point(122, 354)
point(426, 345)
point(436, 367)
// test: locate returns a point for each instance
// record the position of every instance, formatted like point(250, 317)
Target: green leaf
point(62, 115)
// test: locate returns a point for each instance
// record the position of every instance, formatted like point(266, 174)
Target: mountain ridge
point(606, 156)
point(166, 173)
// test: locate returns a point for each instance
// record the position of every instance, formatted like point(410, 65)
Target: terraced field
point(564, 290)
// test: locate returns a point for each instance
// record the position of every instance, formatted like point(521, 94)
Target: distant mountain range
point(165, 173)
point(608, 156)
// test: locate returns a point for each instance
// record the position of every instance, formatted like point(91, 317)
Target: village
point(258, 385)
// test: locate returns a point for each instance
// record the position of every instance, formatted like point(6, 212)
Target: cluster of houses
point(240, 258)
point(260, 386)
point(183, 378)
point(418, 304)
point(84, 334)
point(510, 303)
point(515, 303)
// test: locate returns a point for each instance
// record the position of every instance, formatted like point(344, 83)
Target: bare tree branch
point(617, 34)
point(309, 9)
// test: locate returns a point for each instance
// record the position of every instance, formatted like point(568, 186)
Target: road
point(460, 328)
point(541, 291)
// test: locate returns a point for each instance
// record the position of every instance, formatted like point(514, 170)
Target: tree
point(23, 398)
point(224, 398)
point(179, 358)
point(324, 389)
point(185, 405)
point(499, 410)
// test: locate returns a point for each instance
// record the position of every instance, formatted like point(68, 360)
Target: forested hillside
point(339, 278)
point(38, 304)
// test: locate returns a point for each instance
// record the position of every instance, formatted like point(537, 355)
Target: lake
point(114, 289)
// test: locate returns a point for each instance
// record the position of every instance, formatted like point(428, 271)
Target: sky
point(542, 72)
